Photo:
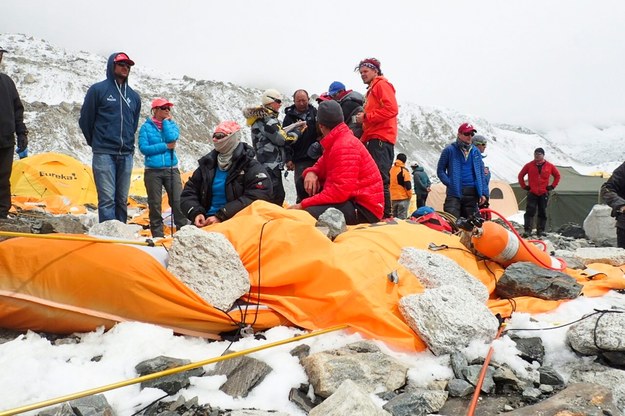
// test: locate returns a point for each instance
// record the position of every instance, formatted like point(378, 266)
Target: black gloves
point(550, 188)
point(22, 142)
point(527, 188)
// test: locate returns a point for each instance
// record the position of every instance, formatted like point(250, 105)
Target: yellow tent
point(53, 176)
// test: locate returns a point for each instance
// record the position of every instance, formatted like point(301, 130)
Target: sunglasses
point(219, 136)
point(277, 100)
point(470, 134)
point(123, 64)
point(480, 144)
point(165, 108)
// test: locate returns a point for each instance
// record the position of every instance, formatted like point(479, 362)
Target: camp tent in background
point(502, 197)
point(53, 180)
point(571, 201)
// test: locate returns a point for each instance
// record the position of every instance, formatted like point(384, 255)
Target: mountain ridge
point(52, 83)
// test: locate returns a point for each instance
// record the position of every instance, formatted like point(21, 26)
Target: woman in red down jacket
point(346, 176)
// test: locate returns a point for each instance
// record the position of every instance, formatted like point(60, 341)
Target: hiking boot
point(526, 234)
point(540, 233)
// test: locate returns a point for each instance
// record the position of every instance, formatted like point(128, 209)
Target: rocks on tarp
point(613, 256)
point(208, 263)
point(85, 406)
point(435, 270)
point(170, 384)
point(332, 221)
point(348, 399)
point(41, 223)
point(361, 362)
point(528, 279)
point(448, 319)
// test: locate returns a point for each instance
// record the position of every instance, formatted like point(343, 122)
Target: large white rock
point(348, 399)
point(208, 263)
point(435, 270)
point(447, 319)
point(599, 225)
point(115, 229)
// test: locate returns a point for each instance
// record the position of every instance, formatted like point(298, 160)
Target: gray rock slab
point(172, 383)
point(603, 376)
point(372, 371)
point(209, 265)
point(447, 319)
point(348, 399)
point(597, 333)
point(528, 279)
point(334, 221)
point(416, 403)
point(242, 375)
point(435, 270)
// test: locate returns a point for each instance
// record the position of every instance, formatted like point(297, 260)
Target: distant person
point(379, 122)
point(461, 169)
point(299, 154)
point(401, 187)
point(422, 184)
point(227, 180)
point(351, 103)
point(109, 118)
point(480, 142)
point(539, 173)
point(157, 142)
point(346, 176)
point(613, 194)
point(270, 139)
point(11, 124)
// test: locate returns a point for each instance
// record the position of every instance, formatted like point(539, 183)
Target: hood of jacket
point(252, 114)
point(353, 96)
point(110, 68)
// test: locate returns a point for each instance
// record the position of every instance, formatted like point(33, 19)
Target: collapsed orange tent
point(299, 274)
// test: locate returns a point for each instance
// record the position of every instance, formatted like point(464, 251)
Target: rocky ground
point(343, 379)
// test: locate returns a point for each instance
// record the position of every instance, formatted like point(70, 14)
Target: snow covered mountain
point(52, 83)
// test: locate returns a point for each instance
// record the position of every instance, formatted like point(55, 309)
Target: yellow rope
point(55, 236)
point(164, 373)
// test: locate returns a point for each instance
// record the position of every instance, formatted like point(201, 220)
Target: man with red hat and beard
point(461, 169)
point(379, 122)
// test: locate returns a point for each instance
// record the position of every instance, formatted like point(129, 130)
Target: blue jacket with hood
point(109, 117)
point(449, 170)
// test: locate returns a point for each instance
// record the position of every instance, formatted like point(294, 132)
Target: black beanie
point(539, 150)
point(329, 114)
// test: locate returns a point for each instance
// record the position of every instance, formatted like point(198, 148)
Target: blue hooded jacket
point(449, 170)
point(153, 144)
point(109, 116)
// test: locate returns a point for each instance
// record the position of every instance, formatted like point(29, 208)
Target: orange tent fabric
point(298, 273)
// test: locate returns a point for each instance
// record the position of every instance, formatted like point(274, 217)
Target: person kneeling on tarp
point(346, 176)
point(227, 180)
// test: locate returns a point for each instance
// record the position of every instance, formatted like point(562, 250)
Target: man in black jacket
point(351, 102)
point(11, 124)
point(298, 155)
point(613, 194)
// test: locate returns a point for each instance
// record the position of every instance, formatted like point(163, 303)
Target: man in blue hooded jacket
point(109, 118)
point(461, 170)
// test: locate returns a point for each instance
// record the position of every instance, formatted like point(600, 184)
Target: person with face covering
point(227, 180)
point(461, 169)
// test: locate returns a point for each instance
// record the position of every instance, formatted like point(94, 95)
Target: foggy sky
point(542, 64)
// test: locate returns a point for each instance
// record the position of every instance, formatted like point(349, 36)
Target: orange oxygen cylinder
point(502, 246)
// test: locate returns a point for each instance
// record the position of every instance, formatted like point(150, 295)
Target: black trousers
point(6, 165)
point(463, 207)
point(275, 175)
point(382, 153)
point(536, 203)
point(354, 213)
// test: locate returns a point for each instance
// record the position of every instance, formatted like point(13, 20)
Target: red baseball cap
point(160, 102)
point(122, 57)
point(466, 128)
point(324, 97)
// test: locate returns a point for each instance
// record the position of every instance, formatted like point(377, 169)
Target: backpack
point(434, 221)
point(401, 181)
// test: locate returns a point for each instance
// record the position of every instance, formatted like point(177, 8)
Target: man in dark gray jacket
point(613, 194)
point(11, 124)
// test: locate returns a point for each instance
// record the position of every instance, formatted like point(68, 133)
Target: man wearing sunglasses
point(109, 118)
point(270, 139)
point(461, 170)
